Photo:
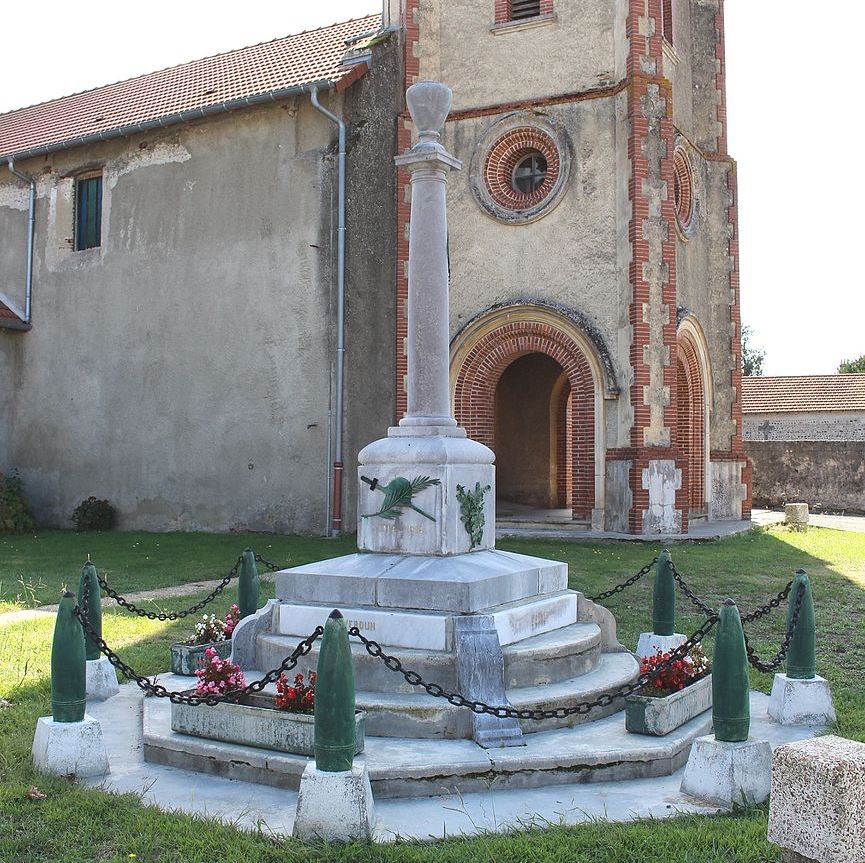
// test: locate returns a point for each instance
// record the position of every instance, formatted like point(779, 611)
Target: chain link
point(775, 663)
point(625, 584)
point(157, 690)
point(374, 649)
point(772, 604)
point(271, 566)
point(169, 615)
point(695, 600)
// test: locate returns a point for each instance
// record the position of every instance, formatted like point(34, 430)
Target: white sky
point(792, 108)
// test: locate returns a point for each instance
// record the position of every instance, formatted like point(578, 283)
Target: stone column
point(429, 163)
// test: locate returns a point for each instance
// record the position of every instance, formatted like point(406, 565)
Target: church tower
point(593, 243)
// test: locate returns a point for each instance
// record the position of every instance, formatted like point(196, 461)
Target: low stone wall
point(827, 475)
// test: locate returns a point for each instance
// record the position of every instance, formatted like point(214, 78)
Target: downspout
point(336, 525)
point(28, 278)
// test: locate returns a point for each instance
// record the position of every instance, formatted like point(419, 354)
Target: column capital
point(431, 156)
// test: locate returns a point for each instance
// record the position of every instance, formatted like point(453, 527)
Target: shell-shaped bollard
point(731, 701)
point(802, 653)
point(334, 699)
point(664, 597)
point(94, 607)
point(248, 585)
point(68, 664)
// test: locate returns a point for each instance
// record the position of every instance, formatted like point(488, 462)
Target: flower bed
point(679, 694)
point(261, 720)
point(210, 632)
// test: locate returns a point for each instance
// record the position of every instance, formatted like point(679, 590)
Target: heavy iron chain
point(169, 615)
point(695, 600)
point(772, 604)
point(625, 584)
point(271, 566)
point(506, 712)
point(775, 663)
point(157, 690)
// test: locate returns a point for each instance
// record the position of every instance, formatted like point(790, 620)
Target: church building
point(203, 271)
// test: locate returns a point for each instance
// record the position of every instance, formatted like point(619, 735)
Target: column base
point(801, 702)
point(649, 643)
point(334, 807)
point(69, 748)
point(101, 680)
point(729, 774)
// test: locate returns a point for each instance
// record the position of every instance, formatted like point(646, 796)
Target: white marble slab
point(535, 618)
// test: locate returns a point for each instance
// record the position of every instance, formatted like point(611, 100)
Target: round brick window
point(521, 169)
point(683, 185)
point(520, 166)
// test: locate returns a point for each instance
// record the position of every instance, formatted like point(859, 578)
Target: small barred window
point(525, 9)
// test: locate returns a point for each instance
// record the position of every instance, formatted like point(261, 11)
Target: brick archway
point(477, 378)
point(691, 421)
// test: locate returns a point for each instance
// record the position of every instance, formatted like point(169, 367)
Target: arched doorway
point(531, 434)
point(526, 383)
point(692, 399)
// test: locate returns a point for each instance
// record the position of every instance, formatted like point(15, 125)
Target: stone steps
point(419, 715)
point(594, 751)
point(542, 659)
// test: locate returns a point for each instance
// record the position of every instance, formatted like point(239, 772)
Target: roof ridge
point(7, 114)
point(756, 378)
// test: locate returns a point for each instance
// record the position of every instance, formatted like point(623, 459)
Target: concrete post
point(68, 742)
point(248, 585)
point(428, 339)
point(801, 696)
point(335, 801)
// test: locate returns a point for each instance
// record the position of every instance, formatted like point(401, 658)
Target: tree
point(752, 357)
point(852, 367)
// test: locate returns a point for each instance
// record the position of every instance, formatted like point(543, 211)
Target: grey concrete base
point(801, 702)
point(472, 807)
point(728, 774)
point(101, 679)
point(649, 644)
point(69, 748)
point(334, 807)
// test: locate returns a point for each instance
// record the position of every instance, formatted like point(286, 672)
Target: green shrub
point(94, 514)
point(14, 517)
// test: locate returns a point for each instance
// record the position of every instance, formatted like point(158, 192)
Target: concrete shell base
point(728, 774)
point(650, 644)
point(101, 679)
point(334, 807)
point(801, 702)
point(69, 748)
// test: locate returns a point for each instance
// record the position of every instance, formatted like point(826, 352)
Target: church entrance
point(526, 383)
point(532, 434)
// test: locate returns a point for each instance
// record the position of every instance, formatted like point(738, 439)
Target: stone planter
point(660, 716)
point(255, 722)
point(185, 658)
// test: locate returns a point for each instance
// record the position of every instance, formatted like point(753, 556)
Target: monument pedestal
point(801, 702)
point(334, 807)
point(69, 748)
point(729, 774)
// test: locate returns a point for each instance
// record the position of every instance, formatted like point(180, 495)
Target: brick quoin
point(475, 399)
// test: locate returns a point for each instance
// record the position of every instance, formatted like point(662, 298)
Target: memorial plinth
point(426, 557)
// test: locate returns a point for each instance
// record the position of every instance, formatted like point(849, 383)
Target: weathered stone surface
point(649, 643)
point(101, 679)
point(69, 748)
point(801, 702)
point(480, 677)
point(796, 514)
point(255, 723)
point(818, 789)
point(662, 479)
point(245, 635)
point(728, 774)
point(186, 658)
point(462, 584)
point(660, 716)
point(334, 807)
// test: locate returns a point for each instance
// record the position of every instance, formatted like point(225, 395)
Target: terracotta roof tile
point(803, 393)
point(303, 58)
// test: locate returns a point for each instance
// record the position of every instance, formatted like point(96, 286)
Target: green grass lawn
point(77, 825)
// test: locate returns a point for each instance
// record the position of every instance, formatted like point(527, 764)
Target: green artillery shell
point(94, 607)
point(334, 699)
point(247, 587)
point(664, 597)
point(731, 705)
point(68, 669)
point(802, 653)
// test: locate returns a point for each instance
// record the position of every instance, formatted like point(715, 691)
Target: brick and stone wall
point(828, 475)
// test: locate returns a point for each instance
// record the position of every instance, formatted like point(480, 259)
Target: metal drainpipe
point(28, 278)
point(336, 525)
